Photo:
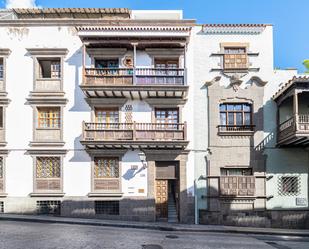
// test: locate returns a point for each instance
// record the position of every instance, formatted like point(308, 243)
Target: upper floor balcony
point(143, 64)
point(293, 113)
point(134, 135)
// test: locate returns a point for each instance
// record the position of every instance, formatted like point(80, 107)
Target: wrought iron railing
point(235, 128)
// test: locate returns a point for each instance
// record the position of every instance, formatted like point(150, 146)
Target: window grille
point(1, 207)
point(48, 117)
point(48, 167)
point(289, 185)
point(235, 58)
point(106, 167)
point(48, 207)
point(107, 207)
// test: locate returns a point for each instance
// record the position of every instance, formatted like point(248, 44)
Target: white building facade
point(144, 115)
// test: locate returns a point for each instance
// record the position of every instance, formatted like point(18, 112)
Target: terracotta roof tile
point(290, 83)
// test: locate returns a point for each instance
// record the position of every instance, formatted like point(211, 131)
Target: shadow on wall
point(80, 104)
point(232, 211)
point(80, 155)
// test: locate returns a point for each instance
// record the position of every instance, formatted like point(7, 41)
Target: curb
point(230, 230)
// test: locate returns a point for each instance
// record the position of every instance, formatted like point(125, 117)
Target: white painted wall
point(280, 162)
point(19, 117)
point(204, 45)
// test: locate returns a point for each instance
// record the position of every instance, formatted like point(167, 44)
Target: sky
point(289, 17)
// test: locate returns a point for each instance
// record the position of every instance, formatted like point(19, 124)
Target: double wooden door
point(161, 199)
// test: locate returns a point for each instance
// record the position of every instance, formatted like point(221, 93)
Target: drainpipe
point(196, 215)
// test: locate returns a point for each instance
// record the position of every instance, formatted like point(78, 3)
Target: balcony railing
point(134, 131)
point(106, 76)
point(235, 128)
point(297, 123)
point(156, 76)
point(237, 186)
point(127, 76)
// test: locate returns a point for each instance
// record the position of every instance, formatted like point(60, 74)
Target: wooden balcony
point(294, 131)
point(235, 130)
point(134, 135)
point(237, 186)
point(138, 83)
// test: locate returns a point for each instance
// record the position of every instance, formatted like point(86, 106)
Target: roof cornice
point(233, 28)
point(287, 85)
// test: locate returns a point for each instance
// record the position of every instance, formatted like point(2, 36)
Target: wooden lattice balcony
point(134, 83)
point(237, 186)
point(294, 131)
point(115, 135)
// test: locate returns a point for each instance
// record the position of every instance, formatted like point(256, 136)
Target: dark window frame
point(235, 113)
point(55, 67)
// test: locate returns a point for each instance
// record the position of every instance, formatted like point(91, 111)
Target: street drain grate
point(152, 247)
point(171, 236)
point(275, 245)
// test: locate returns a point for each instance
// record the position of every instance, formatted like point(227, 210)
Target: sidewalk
point(155, 225)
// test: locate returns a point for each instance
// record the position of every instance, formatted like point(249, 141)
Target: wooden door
point(161, 199)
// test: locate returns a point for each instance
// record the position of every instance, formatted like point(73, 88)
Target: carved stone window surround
point(47, 53)
point(50, 153)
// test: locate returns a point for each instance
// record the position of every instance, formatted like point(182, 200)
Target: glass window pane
point(239, 118)
point(247, 118)
point(223, 118)
point(222, 107)
point(237, 107)
point(231, 119)
point(246, 107)
point(230, 107)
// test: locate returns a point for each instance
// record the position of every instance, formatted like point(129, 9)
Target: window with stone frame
point(49, 117)
point(1, 69)
point(49, 68)
point(106, 167)
point(235, 116)
point(289, 185)
point(235, 58)
point(167, 118)
point(1, 168)
point(1, 117)
point(48, 167)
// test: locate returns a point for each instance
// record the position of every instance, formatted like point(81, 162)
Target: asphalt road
point(28, 235)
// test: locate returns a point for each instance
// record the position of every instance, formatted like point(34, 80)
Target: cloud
point(20, 4)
